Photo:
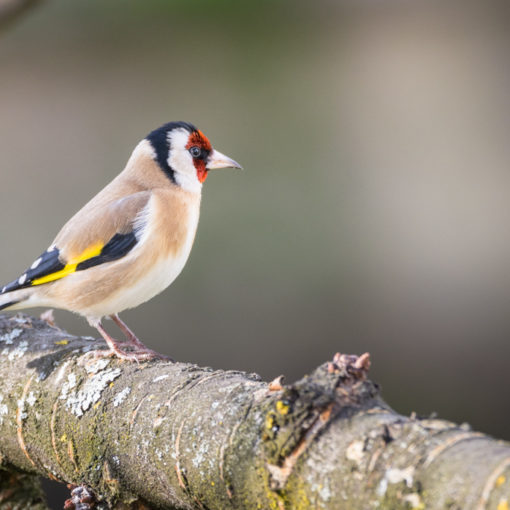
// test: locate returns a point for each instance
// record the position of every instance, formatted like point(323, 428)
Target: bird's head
point(185, 154)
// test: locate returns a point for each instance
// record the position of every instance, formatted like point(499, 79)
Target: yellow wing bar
point(70, 267)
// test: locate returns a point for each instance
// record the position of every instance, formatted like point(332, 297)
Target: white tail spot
point(36, 263)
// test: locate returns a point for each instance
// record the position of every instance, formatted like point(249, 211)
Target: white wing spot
point(22, 279)
point(36, 263)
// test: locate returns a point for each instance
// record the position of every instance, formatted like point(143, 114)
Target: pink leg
point(132, 339)
point(115, 347)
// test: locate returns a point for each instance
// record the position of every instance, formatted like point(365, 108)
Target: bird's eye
point(195, 151)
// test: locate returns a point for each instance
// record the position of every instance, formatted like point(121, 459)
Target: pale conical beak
point(218, 160)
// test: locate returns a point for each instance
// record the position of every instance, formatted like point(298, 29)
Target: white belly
point(154, 279)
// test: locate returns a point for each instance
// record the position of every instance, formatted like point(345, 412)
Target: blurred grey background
point(373, 211)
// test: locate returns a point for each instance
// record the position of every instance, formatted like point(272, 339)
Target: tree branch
point(159, 434)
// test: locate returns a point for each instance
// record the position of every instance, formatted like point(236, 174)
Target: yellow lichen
point(282, 407)
point(62, 342)
point(500, 481)
point(269, 421)
point(272, 499)
point(503, 504)
point(295, 495)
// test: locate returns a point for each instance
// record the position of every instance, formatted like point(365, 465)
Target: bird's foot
point(137, 350)
point(146, 353)
point(136, 354)
point(142, 351)
point(131, 338)
point(115, 353)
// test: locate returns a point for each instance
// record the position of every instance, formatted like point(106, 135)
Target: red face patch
point(198, 139)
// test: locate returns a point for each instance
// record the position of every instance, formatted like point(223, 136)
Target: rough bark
point(160, 434)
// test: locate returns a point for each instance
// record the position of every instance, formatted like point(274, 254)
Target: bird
point(129, 242)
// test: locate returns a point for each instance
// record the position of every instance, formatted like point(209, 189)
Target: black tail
point(6, 305)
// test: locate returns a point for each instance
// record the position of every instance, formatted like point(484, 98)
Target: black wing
point(49, 267)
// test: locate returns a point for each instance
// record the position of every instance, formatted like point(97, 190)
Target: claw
point(135, 355)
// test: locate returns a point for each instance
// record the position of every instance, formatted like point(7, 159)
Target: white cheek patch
point(179, 159)
point(188, 182)
point(181, 162)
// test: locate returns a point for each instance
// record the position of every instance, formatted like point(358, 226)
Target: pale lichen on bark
point(161, 434)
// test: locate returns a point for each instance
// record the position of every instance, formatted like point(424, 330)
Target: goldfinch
point(130, 241)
